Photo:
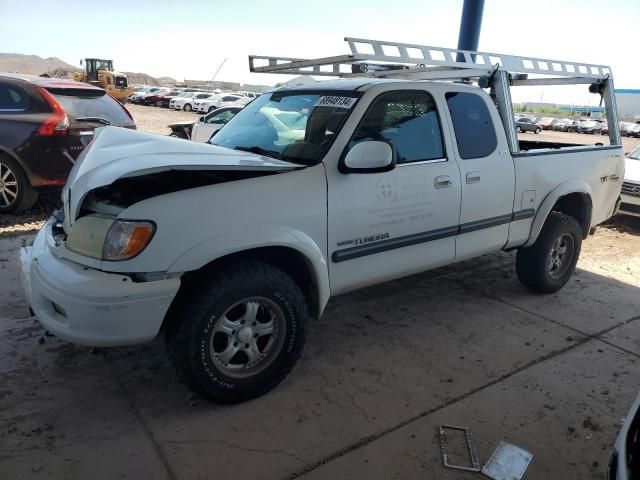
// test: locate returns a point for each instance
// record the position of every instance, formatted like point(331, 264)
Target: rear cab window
point(472, 123)
point(83, 103)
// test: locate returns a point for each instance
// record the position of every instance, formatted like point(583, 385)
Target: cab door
point(386, 225)
point(487, 172)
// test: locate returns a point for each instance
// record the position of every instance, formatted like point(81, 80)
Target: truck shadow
point(625, 224)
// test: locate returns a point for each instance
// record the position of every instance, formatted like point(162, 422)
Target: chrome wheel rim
point(560, 256)
point(247, 337)
point(8, 186)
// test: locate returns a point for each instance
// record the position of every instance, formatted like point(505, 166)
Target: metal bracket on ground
point(473, 455)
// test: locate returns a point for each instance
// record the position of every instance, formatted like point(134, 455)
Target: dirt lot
point(465, 345)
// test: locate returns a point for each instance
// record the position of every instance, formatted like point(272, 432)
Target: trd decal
point(362, 240)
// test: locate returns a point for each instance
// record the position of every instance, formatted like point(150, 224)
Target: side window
point(13, 99)
point(221, 118)
point(406, 119)
point(472, 123)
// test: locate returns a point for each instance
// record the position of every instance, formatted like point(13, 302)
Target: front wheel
point(237, 335)
point(211, 109)
point(536, 131)
point(187, 107)
point(548, 264)
point(518, 129)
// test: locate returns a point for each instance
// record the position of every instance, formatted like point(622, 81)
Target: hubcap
point(560, 256)
point(8, 186)
point(247, 337)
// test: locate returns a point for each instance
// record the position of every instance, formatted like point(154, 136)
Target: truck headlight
point(103, 238)
point(126, 239)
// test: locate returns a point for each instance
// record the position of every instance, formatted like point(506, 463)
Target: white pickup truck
point(310, 191)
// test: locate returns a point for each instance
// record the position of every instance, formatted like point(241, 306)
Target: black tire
point(211, 109)
point(533, 264)
point(187, 107)
point(194, 328)
point(536, 131)
point(16, 192)
point(158, 103)
point(518, 129)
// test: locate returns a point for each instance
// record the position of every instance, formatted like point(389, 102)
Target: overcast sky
point(189, 39)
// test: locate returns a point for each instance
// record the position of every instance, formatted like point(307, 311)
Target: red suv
point(44, 125)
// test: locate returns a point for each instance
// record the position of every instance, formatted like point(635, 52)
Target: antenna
point(210, 85)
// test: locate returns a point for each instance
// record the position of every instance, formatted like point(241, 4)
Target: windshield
point(295, 126)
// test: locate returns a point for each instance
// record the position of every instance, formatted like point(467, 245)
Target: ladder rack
point(376, 58)
point(405, 60)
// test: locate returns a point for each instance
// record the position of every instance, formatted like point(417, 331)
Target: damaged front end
point(122, 167)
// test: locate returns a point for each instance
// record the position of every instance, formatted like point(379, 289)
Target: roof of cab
point(360, 84)
point(48, 82)
point(341, 84)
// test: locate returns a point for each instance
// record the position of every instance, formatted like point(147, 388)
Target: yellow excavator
point(99, 72)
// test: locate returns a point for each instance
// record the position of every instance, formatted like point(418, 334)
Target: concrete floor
point(465, 345)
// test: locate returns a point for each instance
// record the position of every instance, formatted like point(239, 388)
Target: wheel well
point(577, 205)
point(289, 260)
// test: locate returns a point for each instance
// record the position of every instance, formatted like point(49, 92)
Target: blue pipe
point(470, 25)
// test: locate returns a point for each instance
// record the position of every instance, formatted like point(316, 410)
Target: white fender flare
point(566, 188)
point(271, 236)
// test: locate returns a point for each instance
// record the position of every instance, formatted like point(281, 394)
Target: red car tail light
point(57, 123)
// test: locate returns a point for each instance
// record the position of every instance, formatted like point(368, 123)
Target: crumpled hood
point(119, 152)
point(632, 170)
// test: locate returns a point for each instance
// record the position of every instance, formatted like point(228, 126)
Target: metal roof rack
point(376, 58)
point(420, 62)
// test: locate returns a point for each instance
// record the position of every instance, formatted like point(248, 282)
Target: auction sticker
point(334, 101)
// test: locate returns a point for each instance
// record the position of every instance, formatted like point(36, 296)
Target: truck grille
point(629, 188)
point(120, 81)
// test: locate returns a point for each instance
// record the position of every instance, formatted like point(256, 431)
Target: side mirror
point(369, 157)
point(201, 119)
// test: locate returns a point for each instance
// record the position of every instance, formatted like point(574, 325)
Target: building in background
point(628, 102)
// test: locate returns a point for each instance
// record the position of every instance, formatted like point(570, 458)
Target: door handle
point(443, 181)
point(473, 177)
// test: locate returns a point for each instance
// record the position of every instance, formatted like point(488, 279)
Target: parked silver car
point(525, 124)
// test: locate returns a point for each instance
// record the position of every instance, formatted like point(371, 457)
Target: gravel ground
point(155, 120)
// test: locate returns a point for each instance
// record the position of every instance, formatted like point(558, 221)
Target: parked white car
point(208, 124)
point(187, 100)
point(218, 101)
point(232, 248)
point(631, 186)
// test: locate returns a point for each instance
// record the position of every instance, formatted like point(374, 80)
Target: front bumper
point(87, 306)
point(630, 205)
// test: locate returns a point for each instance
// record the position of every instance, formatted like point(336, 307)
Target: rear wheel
point(158, 103)
point(237, 335)
point(16, 193)
point(548, 264)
